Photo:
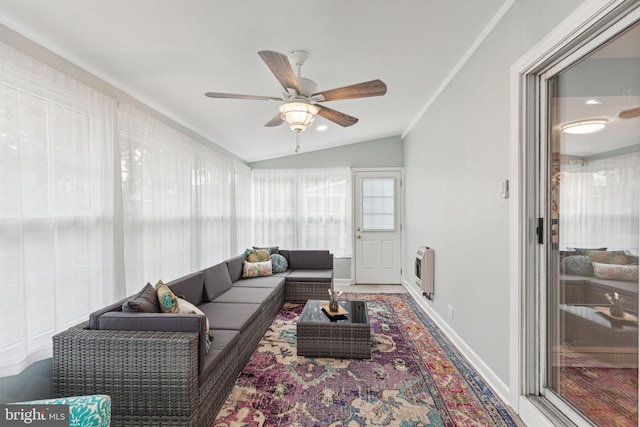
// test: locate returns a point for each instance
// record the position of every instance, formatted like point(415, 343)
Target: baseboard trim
point(342, 282)
point(493, 381)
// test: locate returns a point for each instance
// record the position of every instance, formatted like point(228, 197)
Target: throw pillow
point(607, 257)
point(579, 265)
point(257, 255)
point(279, 263)
point(168, 301)
point(628, 273)
point(256, 269)
point(146, 301)
point(185, 307)
point(274, 249)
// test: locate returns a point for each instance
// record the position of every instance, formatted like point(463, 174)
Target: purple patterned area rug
point(414, 378)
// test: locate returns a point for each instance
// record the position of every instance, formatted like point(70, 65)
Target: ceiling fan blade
point(236, 96)
point(360, 90)
point(281, 68)
point(275, 121)
point(337, 117)
point(629, 114)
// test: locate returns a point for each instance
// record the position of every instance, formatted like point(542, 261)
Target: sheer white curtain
point(599, 203)
point(303, 208)
point(243, 215)
point(158, 200)
point(214, 191)
point(56, 206)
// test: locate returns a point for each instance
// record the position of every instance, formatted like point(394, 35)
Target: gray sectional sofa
point(156, 367)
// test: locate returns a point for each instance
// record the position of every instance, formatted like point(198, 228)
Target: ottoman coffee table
point(345, 336)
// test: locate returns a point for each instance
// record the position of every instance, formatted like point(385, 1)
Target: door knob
point(358, 229)
point(358, 236)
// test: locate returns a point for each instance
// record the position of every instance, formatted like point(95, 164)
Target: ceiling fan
point(629, 114)
point(300, 101)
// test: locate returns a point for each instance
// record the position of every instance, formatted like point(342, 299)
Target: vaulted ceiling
point(168, 53)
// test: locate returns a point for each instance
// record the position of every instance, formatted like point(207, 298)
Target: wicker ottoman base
point(319, 335)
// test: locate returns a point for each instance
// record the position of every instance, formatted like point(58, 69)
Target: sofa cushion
point(216, 280)
point(279, 264)
point(239, 294)
point(310, 276)
point(94, 316)
point(261, 282)
point(309, 259)
point(236, 317)
point(235, 267)
point(146, 301)
point(256, 269)
point(191, 286)
point(224, 341)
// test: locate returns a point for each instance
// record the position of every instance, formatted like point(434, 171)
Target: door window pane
point(592, 296)
point(378, 204)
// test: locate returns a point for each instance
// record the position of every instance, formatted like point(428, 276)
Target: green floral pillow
point(167, 299)
point(256, 269)
point(257, 255)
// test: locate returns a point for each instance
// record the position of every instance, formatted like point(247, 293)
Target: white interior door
point(377, 227)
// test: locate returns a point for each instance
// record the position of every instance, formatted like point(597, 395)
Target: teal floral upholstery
point(84, 411)
point(279, 263)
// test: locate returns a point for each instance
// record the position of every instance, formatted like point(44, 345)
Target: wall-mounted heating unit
point(424, 271)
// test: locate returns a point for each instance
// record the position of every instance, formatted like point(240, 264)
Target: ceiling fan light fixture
point(582, 127)
point(298, 114)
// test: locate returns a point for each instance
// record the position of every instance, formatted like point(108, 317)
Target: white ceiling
point(168, 53)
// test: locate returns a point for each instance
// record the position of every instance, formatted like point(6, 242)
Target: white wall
point(455, 159)
point(384, 152)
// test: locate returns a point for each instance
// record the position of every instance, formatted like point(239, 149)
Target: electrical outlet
point(450, 311)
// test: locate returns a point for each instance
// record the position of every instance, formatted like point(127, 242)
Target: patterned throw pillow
point(607, 257)
point(257, 255)
point(256, 269)
point(628, 273)
point(185, 307)
point(168, 301)
point(279, 263)
point(579, 265)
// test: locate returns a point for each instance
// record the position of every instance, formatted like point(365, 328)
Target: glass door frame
point(535, 163)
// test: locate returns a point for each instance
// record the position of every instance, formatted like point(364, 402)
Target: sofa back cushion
point(309, 259)
point(235, 267)
point(216, 281)
point(191, 286)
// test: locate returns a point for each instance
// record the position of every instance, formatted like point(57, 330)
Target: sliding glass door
point(590, 181)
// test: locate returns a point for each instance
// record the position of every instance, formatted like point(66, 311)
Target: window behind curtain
point(177, 199)
point(56, 206)
point(303, 208)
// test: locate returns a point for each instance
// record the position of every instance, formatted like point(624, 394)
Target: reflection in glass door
point(593, 164)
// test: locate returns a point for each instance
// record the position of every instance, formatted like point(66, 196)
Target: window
point(303, 208)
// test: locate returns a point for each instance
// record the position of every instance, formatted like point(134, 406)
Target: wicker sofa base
point(300, 292)
point(152, 377)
